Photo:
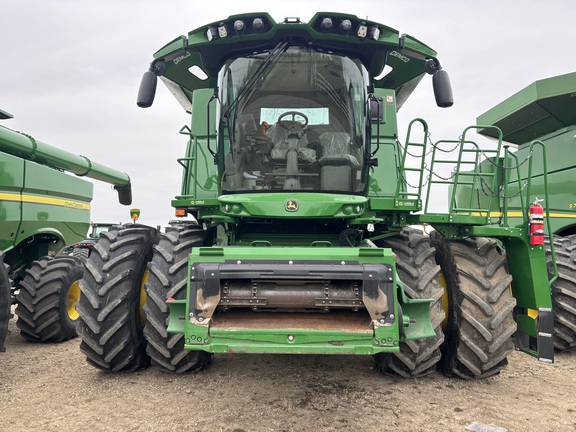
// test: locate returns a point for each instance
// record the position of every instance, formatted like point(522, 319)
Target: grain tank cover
point(543, 107)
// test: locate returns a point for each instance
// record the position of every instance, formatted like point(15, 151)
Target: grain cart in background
point(544, 113)
point(305, 203)
point(42, 210)
point(83, 248)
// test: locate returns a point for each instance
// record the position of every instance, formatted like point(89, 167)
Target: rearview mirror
point(376, 109)
point(147, 90)
point(442, 89)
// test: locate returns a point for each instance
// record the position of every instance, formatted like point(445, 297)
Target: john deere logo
point(291, 205)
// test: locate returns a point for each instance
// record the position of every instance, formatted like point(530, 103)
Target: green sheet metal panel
point(11, 183)
point(54, 202)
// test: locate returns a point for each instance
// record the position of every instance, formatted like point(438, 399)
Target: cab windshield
point(294, 121)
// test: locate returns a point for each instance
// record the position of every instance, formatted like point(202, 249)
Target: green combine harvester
point(307, 203)
point(43, 210)
point(544, 113)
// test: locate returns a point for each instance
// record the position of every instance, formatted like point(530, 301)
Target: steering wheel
point(292, 114)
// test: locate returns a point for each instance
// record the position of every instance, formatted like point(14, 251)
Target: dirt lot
point(52, 388)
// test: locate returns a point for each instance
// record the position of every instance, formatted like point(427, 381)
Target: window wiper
point(248, 88)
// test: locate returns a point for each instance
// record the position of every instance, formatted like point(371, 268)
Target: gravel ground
point(52, 388)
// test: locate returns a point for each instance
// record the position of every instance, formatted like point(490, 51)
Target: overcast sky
point(71, 69)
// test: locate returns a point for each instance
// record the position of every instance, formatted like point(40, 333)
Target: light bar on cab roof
point(344, 26)
point(241, 27)
point(325, 24)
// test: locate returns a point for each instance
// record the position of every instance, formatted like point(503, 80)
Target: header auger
point(304, 241)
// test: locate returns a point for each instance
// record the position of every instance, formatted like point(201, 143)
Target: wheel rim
point(143, 297)
point(445, 301)
point(71, 300)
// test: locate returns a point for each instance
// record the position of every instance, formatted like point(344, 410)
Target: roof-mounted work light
point(326, 24)
point(257, 25)
point(362, 30)
point(345, 26)
point(222, 30)
point(374, 32)
point(211, 33)
point(239, 26)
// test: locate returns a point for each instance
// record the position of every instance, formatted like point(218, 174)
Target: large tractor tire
point(81, 253)
point(418, 271)
point(168, 275)
point(5, 300)
point(47, 297)
point(564, 291)
point(478, 335)
point(111, 320)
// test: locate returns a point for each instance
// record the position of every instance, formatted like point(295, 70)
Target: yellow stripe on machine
point(44, 200)
point(517, 214)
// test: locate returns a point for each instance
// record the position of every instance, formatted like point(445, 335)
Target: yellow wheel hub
point(445, 302)
point(143, 297)
point(71, 300)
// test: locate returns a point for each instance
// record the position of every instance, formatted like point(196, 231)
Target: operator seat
point(279, 137)
point(337, 165)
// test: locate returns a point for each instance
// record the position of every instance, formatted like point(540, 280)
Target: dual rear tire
point(471, 312)
point(130, 274)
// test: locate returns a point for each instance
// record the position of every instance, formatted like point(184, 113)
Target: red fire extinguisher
point(536, 223)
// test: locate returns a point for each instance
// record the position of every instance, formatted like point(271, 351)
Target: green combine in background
point(544, 114)
point(307, 205)
point(43, 210)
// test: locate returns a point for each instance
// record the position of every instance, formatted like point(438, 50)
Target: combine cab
point(306, 203)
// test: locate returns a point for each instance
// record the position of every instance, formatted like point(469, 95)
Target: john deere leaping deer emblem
point(291, 205)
